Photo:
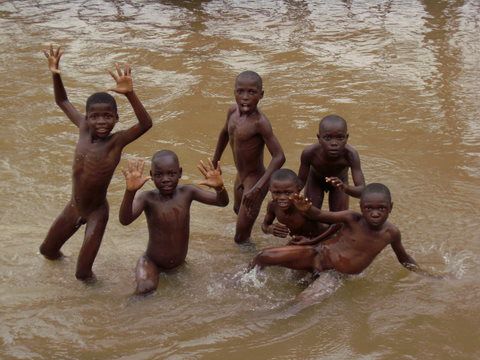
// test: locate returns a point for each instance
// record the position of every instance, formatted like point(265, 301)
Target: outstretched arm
point(406, 260)
point(223, 138)
point(61, 98)
point(125, 86)
point(313, 213)
point(213, 179)
point(132, 206)
point(278, 158)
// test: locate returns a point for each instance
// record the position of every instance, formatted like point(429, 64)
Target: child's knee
point(49, 253)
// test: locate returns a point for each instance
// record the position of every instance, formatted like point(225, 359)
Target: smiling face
point(333, 137)
point(166, 173)
point(101, 118)
point(248, 92)
point(281, 191)
point(375, 207)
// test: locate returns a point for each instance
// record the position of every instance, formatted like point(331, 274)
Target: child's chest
point(102, 154)
point(294, 221)
point(242, 129)
point(330, 167)
point(168, 213)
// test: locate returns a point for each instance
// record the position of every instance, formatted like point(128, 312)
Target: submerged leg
point(337, 200)
point(96, 223)
point(314, 191)
point(246, 217)
point(64, 226)
point(237, 195)
point(146, 276)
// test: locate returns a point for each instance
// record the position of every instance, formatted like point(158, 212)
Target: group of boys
point(339, 239)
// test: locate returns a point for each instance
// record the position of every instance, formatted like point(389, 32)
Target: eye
point(327, 137)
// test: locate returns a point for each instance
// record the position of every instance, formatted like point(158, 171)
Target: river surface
point(404, 74)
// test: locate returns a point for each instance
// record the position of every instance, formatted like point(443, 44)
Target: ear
point(346, 136)
point(318, 136)
point(261, 94)
point(391, 207)
point(151, 173)
point(180, 172)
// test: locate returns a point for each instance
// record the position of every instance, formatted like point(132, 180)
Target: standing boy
point(324, 166)
point(248, 130)
point(167, 210)
point(97, 154)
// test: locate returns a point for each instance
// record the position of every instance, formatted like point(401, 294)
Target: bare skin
point(290, 221)
point(352, 249)
point(324, 167)
point(167, 210)
point(248, 131)
point(96, 156)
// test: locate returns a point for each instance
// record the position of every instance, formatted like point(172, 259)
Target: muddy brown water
point(405, 75)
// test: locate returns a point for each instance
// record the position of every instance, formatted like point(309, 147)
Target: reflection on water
point(403, 74)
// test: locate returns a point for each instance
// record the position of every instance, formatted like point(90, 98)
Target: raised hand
point(212, 174)
point(300, 202)
point(123, 79)
point(53, 57)
point(336, 182)
point(279, 230)
point(134, 175)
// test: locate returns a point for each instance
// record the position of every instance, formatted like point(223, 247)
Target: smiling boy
point(248, 130)
point(97, 154)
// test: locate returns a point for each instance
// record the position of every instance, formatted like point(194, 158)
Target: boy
point(283, 184)
point(324, 166)
point(248, 130)
point(96, 156)
point(167, 210)
point(361, 238)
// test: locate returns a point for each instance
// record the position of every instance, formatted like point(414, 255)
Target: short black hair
point(252, 75)
point(162, 153)
point(286, 174)
point(331, 119)
point(376, 188)
point(101, 98)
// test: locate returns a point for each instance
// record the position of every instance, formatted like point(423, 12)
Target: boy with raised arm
point(97, 154)
point(351, 250)
point(290, 221)
point(248, 130)
point(167, 209)
point(324, 166)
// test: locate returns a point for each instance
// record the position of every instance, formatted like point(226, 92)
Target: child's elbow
point(281, 159)
point(224, 202)
point(124, 221)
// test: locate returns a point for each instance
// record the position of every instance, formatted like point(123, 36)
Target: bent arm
point(304, 167)
point(218, 198)
point(275, 149)
point(144, 120)
point(131, 208)
point(357, 175)
point(62, 101)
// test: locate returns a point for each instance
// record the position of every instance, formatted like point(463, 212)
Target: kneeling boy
point(167, 209)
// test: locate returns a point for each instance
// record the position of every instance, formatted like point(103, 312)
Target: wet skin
point(352, 249)
point(97, 154)
point(331, 158)
point(248, 131)
point(291, 221)
point(167, 210)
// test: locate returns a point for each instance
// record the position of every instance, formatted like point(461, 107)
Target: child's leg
point(297, 257)
point(314, 191)
point(237, 195)
point(64, 226)
point(96, 223)
point(337, 200)
point(246, 217)
point(146, 276)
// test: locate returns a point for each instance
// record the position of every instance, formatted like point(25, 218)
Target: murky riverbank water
point(405, 75)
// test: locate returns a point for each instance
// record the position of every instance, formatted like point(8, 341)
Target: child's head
point(376, 204)
point(283, 184)
point(248, 91)
point(102, 114)
point(333, 135)
point(165, 171)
